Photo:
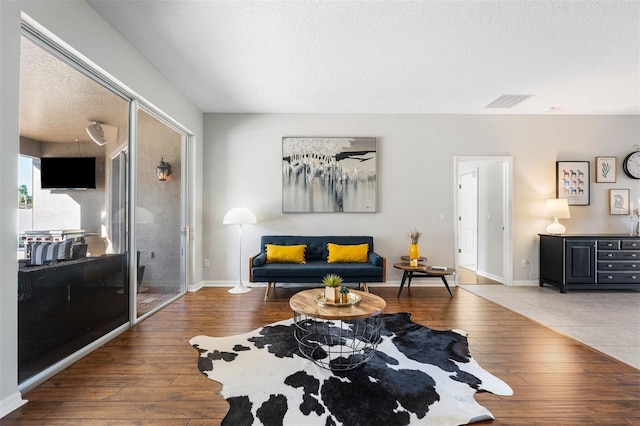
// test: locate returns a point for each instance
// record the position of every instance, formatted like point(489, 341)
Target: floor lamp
point(239, 216)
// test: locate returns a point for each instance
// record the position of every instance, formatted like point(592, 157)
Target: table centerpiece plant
point(414, 249)
point(344, 294)
point(332, 283)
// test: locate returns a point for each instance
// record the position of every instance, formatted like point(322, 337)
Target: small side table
point(422, 271)
point(337, 338)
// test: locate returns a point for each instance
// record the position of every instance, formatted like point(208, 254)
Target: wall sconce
point(163, 170)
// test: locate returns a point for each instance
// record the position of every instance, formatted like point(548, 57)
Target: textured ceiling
point(57, 102)
point(574, 57)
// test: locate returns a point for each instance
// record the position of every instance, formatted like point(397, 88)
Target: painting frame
point(606, 169)
point(573, 182)
point(329, 174)
point(619, 202)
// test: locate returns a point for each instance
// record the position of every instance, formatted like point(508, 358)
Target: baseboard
point(11, 403)
point(423, 282)
point(490, 276)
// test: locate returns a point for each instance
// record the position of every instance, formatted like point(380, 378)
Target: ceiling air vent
point(507, 101)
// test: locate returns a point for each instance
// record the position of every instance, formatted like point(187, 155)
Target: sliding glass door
point(96, 256)
point(160, 216)
point(72, 264)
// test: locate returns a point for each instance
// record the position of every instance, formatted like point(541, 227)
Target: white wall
point(79, 26)
point(415, 178)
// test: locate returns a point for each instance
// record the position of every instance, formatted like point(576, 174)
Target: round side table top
point(304, 302)
point(405, 266)
point(407, 258)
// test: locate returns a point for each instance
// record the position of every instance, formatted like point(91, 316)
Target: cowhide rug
point(418, 376)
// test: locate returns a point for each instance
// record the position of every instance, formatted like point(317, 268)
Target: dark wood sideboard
point(590, 261)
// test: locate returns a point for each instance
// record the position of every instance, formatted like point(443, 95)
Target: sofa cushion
point(285, 254)
point(356, 253)
point(316, 245)
point(42, 253)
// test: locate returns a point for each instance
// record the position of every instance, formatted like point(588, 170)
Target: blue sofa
point(316, 266)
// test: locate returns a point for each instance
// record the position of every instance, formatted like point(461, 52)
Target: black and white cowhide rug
point(418, 376)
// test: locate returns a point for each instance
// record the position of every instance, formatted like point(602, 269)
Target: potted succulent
point(332, 283)
point(344, 294)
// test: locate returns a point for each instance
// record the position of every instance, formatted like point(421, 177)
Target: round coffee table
point(337, 337)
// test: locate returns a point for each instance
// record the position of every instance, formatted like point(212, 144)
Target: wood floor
point(148, 375)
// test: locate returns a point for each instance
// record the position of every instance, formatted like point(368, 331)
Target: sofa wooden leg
point(364, 285)
point(266, 293)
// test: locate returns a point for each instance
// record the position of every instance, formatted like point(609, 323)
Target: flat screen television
point(68, 172)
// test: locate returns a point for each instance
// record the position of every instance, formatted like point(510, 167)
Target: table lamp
point(557, 208)
point(239, 216)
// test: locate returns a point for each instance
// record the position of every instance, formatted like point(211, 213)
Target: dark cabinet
point(590, 262)
point(580, 265)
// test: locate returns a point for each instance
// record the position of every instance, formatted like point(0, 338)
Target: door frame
point(507, 243)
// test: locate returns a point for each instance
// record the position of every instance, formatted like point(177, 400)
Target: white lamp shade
point(239, 216)
point(96, 133)
point(557, 208)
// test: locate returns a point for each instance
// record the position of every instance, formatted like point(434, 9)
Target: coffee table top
point(406, 266)
point(304, 302)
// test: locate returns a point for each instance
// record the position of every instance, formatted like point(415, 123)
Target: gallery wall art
point(606, 169)
point(326, 175)
point(572, 182)
point(619, 201)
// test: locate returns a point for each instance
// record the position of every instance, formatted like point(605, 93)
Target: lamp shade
point(96, 133)
point(239, 216)
point(557, 208)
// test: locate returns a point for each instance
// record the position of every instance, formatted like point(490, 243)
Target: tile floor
point(608, 321)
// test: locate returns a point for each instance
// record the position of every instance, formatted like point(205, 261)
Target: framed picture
point(606, 169)
point(572, 182)
point(326, 175)
point(619, 201)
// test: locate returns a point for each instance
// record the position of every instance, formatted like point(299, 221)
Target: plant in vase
point(414, 249)
point(332, 283)
point(344, 294)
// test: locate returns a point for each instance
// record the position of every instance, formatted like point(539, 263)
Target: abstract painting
point(326, 175)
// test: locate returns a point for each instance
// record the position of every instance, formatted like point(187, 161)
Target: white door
point(468, 219)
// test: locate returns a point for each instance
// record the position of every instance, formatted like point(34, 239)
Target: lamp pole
point(239, 216)
point(240, 287)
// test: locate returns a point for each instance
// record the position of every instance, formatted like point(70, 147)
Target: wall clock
point(631, 165)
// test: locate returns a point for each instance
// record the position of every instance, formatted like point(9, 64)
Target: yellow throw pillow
point(285, 254)
point(354, 253)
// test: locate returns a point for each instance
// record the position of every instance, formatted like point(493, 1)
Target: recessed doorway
point(483, 227)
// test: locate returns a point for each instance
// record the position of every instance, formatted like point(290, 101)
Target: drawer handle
point(633, 277)
point(609, 266)
point(610, 245)
point(610, 255)
point(633, 255)
point(610, 277)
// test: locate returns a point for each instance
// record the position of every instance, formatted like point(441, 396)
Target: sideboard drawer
point(608, 244)
point(630, 245)
point(618, 255)
point(619, 278)
point(618, 266)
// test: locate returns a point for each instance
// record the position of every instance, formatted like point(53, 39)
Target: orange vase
point(414, 251)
